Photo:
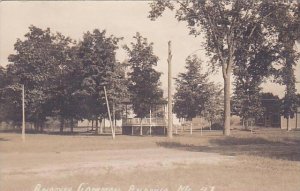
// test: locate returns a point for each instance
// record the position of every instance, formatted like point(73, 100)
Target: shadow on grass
point(80, 134)
point(231, 146)
point(65, 133)
point(18, 131)
point(3, 139)
point(76, 133)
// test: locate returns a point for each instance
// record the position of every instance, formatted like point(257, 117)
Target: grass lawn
point(268, 159)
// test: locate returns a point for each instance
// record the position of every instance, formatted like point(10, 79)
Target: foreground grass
point(268, 159)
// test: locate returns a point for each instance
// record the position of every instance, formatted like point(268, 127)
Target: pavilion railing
point(145, 122)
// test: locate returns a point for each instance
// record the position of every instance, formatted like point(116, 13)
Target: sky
point(118, 18)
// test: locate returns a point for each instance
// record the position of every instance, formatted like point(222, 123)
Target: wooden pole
point(201, 124)
point(23, 113)
point(296, 118)
point(170, 121)
point(108, 110)
point(126, 111)
point(150, 122)
point(182, 121)
point(114, 117)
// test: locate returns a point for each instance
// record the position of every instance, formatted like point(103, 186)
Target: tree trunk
point(226, 130)
point(42, 127)
point(101, 126)
point(287, 123)
point(34, 125)
point(96, 130)
point(104, 123)
point(296, 119)
point(182, 127)
point(114, 117)
point(72, 125)
point(62, 124)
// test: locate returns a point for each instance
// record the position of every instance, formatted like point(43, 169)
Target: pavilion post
point(170, 121)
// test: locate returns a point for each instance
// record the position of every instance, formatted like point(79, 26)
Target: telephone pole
point(109, 115)
point(170, 119)
point(23, 113)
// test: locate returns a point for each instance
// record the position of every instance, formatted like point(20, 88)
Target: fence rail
point(145, 122)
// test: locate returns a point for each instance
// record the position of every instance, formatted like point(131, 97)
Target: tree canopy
point(193, 90)
point(144, 85)
point(62, 78)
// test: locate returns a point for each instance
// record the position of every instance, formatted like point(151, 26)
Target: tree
point(6, 107)
point(253, 61)
point(68, 76)
point(213, 109)
point(298, 100)
point(3, 79)
point(288, 33)
point(226, 26)
point(34, 66)
point(144, 86)
point(247, 103)
point(45, 63)
point(246, 100)
point(192, 90)
point(97, 52)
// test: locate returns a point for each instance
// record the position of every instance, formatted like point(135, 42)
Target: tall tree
point(34, 66)
point(253, 61)
point(226, 25)
point(144, 85)
point(193, 90)
point(97, 53)
point(68, 76)
point(288, 33)
point(44, 63)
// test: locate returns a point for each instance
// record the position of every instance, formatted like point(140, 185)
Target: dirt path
point(265, 161)
point(96, 162)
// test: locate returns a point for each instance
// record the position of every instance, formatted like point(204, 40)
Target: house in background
point(271, 114)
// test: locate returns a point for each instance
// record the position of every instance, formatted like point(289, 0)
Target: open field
point(268, 159)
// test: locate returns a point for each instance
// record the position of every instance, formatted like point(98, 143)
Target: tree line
point(65, 79)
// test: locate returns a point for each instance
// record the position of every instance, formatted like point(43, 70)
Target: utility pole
point(170, 120)
point(23, 113)
point(108, 110)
